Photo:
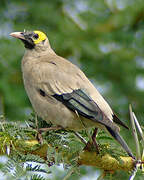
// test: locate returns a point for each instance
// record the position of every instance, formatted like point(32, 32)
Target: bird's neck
point(35, 53)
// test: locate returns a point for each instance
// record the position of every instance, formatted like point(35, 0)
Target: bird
point(60, 93)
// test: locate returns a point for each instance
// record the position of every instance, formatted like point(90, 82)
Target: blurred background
point(105, 38)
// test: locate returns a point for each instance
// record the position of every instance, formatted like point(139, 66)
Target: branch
point(90, 158)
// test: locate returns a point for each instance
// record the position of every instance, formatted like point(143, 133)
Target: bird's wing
point(66, 83)
point(78, 101)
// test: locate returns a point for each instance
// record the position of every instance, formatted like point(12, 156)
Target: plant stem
point(138, 153)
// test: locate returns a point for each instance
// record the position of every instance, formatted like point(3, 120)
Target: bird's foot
point(93, 144)
point(94, 139)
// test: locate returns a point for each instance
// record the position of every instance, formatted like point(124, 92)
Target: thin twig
point(133, 174)
point(36, 122)
point(49, 129)
point(101, 177)
point(138, 153)
point(69, 174)
point(142, 161)
point(139, 129)
point(80, 137)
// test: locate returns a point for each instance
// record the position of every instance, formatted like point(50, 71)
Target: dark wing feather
point(81, 102)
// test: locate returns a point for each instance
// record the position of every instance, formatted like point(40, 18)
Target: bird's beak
point(25, 37)
point(19, 35)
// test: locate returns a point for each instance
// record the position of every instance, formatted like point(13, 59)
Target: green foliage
point(63, 148)
point(16, 170)
point(37, 177)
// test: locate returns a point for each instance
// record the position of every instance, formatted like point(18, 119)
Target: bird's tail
point(121, 141)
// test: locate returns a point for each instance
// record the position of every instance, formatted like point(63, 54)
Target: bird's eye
point(36, 36)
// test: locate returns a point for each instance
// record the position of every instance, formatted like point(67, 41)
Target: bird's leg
point(93, 143)
point(40, 130)
point(39, 135)
point(94, 139)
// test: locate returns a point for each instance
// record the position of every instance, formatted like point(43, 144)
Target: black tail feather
point(121, 141)
point(118, 121)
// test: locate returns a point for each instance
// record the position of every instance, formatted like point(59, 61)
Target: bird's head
point(32, 39)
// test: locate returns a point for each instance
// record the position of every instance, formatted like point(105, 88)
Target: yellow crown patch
point(41, 37)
